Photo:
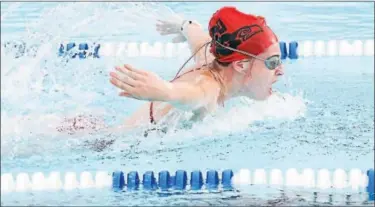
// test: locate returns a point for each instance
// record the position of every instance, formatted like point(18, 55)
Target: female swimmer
point(243, 60)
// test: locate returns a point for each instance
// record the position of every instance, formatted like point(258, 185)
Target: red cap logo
point(240, 31)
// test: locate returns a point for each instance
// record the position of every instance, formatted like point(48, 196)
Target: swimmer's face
point(257, 78)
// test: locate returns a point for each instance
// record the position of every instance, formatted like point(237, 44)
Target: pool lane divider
point(289, 50)
point(350, 181)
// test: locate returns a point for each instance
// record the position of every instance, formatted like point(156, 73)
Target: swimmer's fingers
point(167, 31)
point(124, 78)
point(129, 77)
point(133, 76)
point(162, 23)
point(136, 72)
point(166, 28)
point(125, 94)
point(120, 84)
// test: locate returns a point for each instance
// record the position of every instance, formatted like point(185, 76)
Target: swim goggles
point(271, 62)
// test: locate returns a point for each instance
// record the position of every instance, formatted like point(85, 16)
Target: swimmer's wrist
point(169, 92)
point(186, 24)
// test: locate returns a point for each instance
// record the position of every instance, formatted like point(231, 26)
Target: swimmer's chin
point(262, 98)
point(266, 95)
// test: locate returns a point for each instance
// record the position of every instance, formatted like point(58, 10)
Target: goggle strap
point(240, 51)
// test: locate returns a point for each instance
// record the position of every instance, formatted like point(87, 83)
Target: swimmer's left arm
point(144, 85)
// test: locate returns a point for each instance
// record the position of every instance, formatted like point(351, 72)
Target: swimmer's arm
point(187, 96)
point(196, 38)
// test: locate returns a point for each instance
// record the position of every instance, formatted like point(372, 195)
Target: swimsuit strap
point(152, 120)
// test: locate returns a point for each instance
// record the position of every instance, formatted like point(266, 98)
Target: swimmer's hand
point(169, 27)
point(193, 33)
point(140, 84)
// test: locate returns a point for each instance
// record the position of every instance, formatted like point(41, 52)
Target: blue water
point(325, 121)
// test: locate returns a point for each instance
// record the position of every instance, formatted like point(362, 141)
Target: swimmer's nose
point(279, 71)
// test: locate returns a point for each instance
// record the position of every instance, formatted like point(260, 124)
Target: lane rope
point(351, 181)
point(291, 50)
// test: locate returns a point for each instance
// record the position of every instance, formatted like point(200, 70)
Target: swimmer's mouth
point(271, 90)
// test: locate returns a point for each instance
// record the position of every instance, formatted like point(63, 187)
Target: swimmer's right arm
point(196, 38)
point(190, 31)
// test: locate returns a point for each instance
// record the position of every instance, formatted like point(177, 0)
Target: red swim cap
point(240, 31)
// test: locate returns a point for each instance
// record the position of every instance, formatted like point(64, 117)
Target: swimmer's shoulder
point(200, 71)
point(210, 77)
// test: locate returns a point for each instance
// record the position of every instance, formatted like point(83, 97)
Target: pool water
point(324, 120)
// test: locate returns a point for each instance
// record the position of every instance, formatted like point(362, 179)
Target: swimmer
point(243, 60)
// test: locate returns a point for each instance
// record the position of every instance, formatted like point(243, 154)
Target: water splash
point(40, 91)
point(237, 116)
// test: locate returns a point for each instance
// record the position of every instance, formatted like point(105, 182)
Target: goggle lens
point(273, 62)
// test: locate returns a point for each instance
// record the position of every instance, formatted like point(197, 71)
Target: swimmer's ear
point(240, 66)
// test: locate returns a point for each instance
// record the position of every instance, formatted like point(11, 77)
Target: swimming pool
point(325, 120)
